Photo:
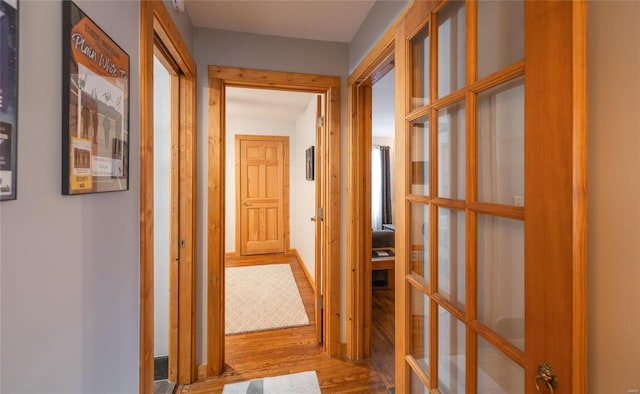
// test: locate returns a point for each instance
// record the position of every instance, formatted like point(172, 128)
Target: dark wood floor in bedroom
point(291, 350)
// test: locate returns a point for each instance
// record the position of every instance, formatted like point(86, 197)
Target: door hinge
point(320, 213)
point(320, 122)
point(321, 302)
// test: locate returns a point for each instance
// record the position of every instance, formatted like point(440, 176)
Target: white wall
point(303, 192)
point(69, 264)
point(267, 53)
point(161, 206)
point(614, 192)
point(254, 126)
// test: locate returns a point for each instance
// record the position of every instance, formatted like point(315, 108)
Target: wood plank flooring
point(289, 350)
point(383, 335)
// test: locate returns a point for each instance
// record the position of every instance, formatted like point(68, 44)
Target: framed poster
point(8, 98)
point(95, 117)
point(309, 163)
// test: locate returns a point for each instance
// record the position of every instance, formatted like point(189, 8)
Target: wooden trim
point(317, 284)
point(174, 252)
point(219, 78)
point(155, 20)
point(168, 33)
point(187, 203)
point(557, 151)
point(375, 64)
point(579, 170)
point(216, 228)
point(146, 200)
point(411, 361)
point(202, 371)
point(230, 254)
point(403, 329)
point(295, 254)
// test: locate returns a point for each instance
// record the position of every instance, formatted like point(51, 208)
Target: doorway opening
point(221, 79)
point(371, 239)
point(159, 36)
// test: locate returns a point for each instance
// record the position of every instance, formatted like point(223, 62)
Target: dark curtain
point(386, 185)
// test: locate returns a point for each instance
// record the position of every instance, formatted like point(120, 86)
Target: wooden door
point(491, 110)
point(263, 168)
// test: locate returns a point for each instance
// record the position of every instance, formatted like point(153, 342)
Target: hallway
point(286, 351)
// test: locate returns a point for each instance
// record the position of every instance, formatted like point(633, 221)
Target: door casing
point(219, 78)
point(158, 32)
point(375, 65)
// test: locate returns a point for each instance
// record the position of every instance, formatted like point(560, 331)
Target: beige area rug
point(295, 383)
point(262, 297)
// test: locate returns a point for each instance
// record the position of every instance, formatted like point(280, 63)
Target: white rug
point(297, 383)
point(262, 297)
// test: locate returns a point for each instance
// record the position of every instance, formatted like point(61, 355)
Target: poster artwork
point(96, 128)
point(8, 97)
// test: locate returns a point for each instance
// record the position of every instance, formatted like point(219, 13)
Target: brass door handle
point(246, 204)
point(547, 376)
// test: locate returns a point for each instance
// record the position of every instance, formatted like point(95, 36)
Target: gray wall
point(382, 15)
point(614, 192)
point(183, 23)
point(224, 48)
point(68, 264)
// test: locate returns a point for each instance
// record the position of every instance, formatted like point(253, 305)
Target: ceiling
point(325, 20)
point(267, 104)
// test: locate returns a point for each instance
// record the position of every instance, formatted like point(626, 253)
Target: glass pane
point(452, 36)
point(419, 341)
point(451, 256)
point(497, 373)
point(420, 69)
point(417, 387)
point(451, 353)
point(419, 231)
point(420, 156)
point(500, 35)
point(501, 144)
point(501, 277)
point(452, 151)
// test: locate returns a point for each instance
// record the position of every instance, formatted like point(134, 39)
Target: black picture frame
point(9, 19)
point(310, 163)
point(95, 107)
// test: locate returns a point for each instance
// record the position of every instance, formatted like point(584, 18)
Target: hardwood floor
point(289, 350)
point(383, 335)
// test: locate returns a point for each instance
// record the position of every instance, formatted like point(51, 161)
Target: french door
point(491, 108)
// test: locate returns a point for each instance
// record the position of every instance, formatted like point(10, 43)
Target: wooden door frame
point(285, 185)
point(219, 78)
point(156, 24)
point(375, 65)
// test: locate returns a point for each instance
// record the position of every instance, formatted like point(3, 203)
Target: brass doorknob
point(547, 376)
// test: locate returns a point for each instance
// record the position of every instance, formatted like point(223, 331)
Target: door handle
point(246, 204)
point(547, 376)
point(313, 218)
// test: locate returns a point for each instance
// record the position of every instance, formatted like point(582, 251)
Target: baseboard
point(230, 254)
point(295, 253)
point(202, 371)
